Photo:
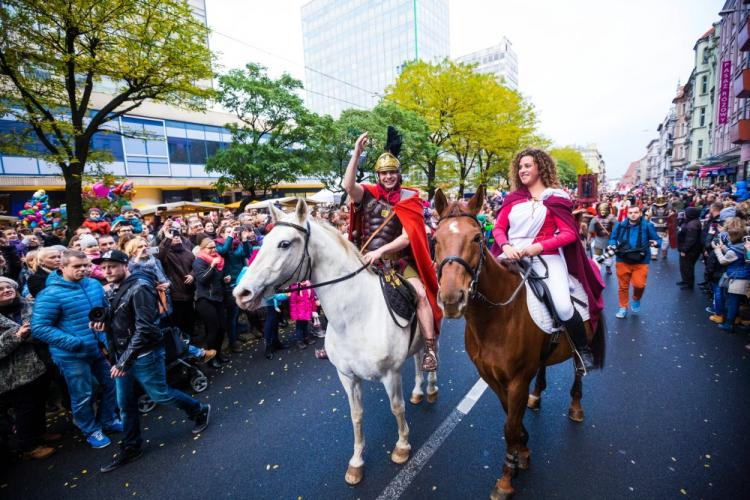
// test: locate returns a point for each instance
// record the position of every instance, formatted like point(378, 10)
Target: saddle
point(400, 298)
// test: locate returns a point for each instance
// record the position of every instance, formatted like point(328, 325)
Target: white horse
point(362, 341)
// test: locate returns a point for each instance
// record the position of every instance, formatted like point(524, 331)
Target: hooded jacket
point(177, 263)
point(133, 327)
point(689, 237)
point(61, 317)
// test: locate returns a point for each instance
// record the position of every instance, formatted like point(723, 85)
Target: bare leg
point(416, 393)
point(353, 388)
point(392, 383)
point(426, 326)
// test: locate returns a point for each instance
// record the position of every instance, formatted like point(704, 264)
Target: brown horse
point(501, 337)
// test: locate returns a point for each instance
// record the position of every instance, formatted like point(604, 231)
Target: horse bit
point(307, 259)
point(475, 272)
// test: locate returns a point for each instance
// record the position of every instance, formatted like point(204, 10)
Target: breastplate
point(659, 219)
point(603, 227)
point(374, 213)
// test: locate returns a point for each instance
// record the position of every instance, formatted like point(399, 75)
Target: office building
point(499, 60)
point(354, 49)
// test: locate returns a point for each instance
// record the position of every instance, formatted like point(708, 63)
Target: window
point(704, 84)
point(702, 117)
point(145, 146)
point(178, 149)
point(700, 148)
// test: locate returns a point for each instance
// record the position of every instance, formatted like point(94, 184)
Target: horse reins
point(476, 272)
point(307, 259)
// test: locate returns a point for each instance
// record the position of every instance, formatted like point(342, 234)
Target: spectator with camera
point(631, 240)
point(137, 353)
point(177, 259)
point(210, 281)
point(733, 283)
point(235, 246)
point(61, 319)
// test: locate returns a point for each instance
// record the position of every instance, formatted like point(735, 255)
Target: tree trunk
point(431, 169)
point(243, 203)
point(73, 198)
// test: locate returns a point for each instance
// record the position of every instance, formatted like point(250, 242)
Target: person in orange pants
point(632, 239)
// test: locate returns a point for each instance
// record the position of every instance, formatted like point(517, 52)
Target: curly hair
point(545, 163)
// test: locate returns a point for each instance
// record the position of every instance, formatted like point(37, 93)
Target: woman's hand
point(511, 253)
point(532, 250)
point(227, 279)
point(162, 286)
point(188, 279)
point(216, 261)
point(24, 331)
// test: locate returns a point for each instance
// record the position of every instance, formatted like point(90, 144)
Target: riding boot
point(429, 360)
point(577, 333)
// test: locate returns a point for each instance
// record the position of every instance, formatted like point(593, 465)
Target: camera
point(608, 253)
point(174, 232)
point(716, 241)
point(99, 314)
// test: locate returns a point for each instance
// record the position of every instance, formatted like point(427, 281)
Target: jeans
point(150, 373)
point(212, 314)
point(720, 295)
point(271, 326)
point(301, 330)
point(733, 307)
point(79, 376)
point(194, 352)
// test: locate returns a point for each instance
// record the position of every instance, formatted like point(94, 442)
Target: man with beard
point(387, 225)
point(600, 229)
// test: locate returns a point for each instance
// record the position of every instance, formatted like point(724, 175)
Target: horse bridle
point(307, 259)
point(476, 272)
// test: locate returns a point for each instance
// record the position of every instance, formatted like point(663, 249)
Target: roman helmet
point(661, 200)
point(603, 209)
point(388, 161)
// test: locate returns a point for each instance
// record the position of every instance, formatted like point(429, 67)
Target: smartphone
point(153, 250)
point(237, 229)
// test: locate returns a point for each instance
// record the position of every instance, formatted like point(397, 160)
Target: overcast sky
point(598, 71)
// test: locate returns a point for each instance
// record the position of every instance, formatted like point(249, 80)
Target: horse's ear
point(302, 210)
point(440, 201)
point(276, 214)
point(476, 201)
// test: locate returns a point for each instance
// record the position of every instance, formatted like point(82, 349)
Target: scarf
point(206, 257)
point(392, 197)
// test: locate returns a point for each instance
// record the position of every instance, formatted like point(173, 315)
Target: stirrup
point(579, 364)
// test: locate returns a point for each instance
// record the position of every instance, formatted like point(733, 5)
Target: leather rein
point(307, 260)
point(477, 271)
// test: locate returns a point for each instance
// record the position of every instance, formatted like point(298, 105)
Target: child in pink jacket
point(302, 304)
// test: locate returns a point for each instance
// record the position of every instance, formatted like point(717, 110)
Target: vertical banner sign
point(726, 75)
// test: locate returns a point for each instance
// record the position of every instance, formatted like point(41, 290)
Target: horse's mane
point(347, 245)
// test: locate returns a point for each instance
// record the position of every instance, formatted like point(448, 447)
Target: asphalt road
point(667, 418)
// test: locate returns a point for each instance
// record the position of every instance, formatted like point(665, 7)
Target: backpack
point(627, 254)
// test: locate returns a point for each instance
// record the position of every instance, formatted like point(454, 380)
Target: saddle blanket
point(541, 315)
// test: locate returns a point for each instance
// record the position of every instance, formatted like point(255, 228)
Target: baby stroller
point(177, 366)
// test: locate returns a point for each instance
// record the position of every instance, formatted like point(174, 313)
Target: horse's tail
point(599, 343)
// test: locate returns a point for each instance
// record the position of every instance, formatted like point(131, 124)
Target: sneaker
point(301, 344)
point(635, 306)
point(726, 327)
point(201, 420)
point(98, 439)
point(621, 313)
point(310, 341)
point(716, 318)
point(38, 453)
point(115, 426)
point(122, 458)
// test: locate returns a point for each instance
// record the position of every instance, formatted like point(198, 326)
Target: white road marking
point(453, 227)
point(403, 479)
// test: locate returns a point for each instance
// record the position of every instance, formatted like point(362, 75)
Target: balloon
point(33, 224)
point(100, 190)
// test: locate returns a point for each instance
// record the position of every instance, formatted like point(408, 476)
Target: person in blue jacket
point(61, 319)
point(632, 239)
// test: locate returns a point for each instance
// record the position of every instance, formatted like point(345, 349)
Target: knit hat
point(87, 241)
point(126, 208)
point(9, 281)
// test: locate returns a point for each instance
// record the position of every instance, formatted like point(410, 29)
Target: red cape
point(579, 264)
point(411, 215)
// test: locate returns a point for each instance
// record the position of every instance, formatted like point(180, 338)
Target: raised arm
point(350, 185)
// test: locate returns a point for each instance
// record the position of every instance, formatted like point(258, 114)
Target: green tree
point(55, 53)
point(570, 164)
point(275, 140)
point(472, 119)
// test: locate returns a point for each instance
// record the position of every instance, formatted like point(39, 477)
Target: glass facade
point(139, 147)
point(499, 60)
point(354, 49)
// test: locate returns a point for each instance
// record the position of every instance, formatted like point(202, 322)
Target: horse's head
point(459, 244)
point(283, 258)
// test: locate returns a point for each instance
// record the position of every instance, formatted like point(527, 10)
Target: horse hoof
point(534, 402)
point(432, 397)
point(523, 460)
point(400, 455)
point(499, 493)
point(415, 399)
point(576, 415)
point(354, 475)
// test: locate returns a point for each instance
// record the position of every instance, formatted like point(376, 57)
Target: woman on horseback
point(536, 221)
